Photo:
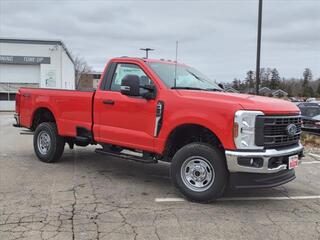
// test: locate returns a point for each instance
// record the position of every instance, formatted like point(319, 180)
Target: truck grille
point(272, 131)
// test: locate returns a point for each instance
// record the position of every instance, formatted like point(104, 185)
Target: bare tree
point(81, 68)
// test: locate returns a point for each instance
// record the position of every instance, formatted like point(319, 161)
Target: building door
point(13, 76)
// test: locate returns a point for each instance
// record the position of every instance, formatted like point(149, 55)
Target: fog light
point(250, 162)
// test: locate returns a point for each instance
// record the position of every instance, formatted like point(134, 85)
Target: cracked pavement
point(90, 196)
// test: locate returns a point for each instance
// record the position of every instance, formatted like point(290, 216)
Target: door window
point(124, 69)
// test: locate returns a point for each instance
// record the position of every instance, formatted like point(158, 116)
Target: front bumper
point(259, 180)
point(266, 156)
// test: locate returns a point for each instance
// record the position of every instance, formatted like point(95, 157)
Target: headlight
point(244, 129)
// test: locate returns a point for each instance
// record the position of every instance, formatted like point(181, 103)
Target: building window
point(12, 96)
point(96, 76)
point(4, 96)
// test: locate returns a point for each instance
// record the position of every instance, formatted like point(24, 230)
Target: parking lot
point(90, 196)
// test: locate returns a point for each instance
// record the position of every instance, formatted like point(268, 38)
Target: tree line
point(305, 86)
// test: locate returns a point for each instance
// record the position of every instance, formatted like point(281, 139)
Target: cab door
point(125, 120)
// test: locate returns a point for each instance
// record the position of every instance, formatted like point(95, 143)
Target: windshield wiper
point(213, 89)
point(188, 88)
point(201, 89)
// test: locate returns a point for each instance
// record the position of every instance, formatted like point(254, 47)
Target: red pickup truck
point(154, 110)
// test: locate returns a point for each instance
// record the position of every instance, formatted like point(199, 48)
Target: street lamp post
point(147, 51)
point(258, 47)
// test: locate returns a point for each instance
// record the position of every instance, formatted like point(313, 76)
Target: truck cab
point(153, 110)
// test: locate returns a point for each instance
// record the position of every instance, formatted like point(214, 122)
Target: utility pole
point(147, 51)
point(258, 47)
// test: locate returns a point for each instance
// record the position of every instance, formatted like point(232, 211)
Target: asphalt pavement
point(90, 196)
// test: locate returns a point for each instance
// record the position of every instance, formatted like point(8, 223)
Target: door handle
point(26, 95)
point(108, 101)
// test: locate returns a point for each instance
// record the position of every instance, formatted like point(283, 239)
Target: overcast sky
point(217, 37)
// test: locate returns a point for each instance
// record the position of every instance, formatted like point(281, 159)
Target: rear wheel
point(199, 171)
point(48, 145)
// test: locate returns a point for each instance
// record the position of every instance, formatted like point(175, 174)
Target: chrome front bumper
point(266, 155)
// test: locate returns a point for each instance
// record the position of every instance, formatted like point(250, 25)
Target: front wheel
point(199, 171)
point(47, 144)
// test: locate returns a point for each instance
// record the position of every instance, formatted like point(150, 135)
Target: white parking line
point(169, 200)
point(311, 162)
point(269, 198)
point(244, 198)
point(314, 155)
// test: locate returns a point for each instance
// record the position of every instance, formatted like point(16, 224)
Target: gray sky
point(217, 37)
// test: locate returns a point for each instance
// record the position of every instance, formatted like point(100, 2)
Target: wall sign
point(7, 59)
point(50, 79)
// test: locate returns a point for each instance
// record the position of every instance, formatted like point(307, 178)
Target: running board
point(26, 132)
point(126, 156)
point(82, 139)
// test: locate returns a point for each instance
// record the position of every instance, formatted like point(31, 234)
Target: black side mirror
point(130, 85)
point(151, 91)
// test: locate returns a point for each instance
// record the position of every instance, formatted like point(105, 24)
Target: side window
point(124, 69)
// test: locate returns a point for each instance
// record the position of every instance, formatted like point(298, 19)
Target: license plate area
point(293, 161)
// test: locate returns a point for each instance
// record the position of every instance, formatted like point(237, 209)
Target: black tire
point(210, 155)
point(56, 143)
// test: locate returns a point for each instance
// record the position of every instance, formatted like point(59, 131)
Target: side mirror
point(151, 91)
point(130, 85)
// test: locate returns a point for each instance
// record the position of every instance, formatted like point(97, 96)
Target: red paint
point(130, 122)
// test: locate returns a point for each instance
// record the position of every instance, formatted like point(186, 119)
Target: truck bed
point(71, 108)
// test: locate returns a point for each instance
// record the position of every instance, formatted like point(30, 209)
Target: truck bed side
point(70, 108)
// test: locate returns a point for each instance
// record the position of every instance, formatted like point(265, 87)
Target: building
point(279, 93)
point(33, 63)
point(265, 91)
point(227, 87)
point(249, 91)
point(89, 80)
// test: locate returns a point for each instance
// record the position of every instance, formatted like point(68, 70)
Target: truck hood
point(268, 105)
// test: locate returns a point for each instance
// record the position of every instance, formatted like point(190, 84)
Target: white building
point(33, 63)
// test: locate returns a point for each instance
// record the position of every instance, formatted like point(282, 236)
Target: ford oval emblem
point(291, 130)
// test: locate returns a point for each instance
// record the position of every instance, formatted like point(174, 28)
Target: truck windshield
point(186, 77)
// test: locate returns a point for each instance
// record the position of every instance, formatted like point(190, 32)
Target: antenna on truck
point(175, 65)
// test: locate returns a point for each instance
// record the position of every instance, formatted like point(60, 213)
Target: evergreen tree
point(318, 90)
point(275, 79)
point(307, 74)
point(236, 84)
point(288, 89)
point(265, 76)
point(307, 77)
point(250, 79)
point(311, 92)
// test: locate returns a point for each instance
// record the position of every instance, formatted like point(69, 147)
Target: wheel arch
point(187, 133)
point(40, 115)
